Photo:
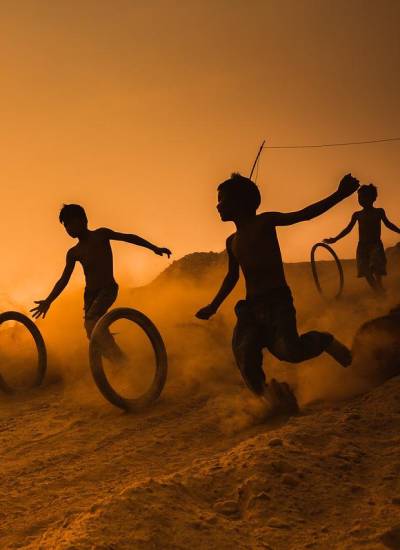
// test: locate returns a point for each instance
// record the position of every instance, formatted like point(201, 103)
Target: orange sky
point(137, 109)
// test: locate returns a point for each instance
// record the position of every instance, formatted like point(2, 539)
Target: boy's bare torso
point(369, 224)
point(95, 255)
point(256, 248)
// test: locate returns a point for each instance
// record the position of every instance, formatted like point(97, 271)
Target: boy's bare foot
point(340, 353)
point(291, 404)
point(281, 398)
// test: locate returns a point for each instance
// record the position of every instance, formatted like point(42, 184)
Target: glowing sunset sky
point(137, 109)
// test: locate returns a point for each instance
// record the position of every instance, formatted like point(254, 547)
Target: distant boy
point(267, 318)
point(371, 258)
point(94, 252)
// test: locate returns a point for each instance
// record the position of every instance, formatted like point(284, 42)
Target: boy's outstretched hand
point(162, 251)
point(205, 313)
point(348, 185)
point(41, 309)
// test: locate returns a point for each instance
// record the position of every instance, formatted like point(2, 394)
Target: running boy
point(93, 251)
point(267, 318)
point(371, 258)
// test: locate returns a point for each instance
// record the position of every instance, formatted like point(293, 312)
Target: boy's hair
point(369, 191)
point(72, 211)
point(243, 190)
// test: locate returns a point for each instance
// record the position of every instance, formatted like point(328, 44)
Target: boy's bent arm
point(388, 223)
point(345, 231)
point(138, 241)
point(347, 187)
point(43, 305)
point(227, 286)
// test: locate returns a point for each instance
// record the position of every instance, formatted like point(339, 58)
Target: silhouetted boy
point(267, 318)
point(94, 252)
point(371, 258)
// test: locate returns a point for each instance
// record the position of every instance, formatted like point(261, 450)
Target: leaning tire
point(315, 270)
point(39, 343)
point(160, 354)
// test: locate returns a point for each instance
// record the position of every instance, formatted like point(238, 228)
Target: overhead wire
point(315, 146)
point(319, 145)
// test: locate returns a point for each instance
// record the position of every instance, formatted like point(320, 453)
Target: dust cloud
point(204, 463)
point(200, 357)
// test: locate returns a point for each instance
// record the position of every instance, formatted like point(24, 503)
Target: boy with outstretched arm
point(93, 251)
point(267, 317)
point(371, 258)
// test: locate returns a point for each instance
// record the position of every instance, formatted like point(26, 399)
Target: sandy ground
point(205, 467)
point(86, 477)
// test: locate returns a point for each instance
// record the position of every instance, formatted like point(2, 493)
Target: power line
point(330, 144)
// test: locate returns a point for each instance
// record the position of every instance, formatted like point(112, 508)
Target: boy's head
point(237, 196)
point(367, 195)
point(73, 217)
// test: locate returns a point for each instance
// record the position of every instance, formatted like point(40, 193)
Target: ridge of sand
point(326, 479)
point(201, 468)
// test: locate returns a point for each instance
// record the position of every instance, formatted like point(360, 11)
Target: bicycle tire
point(161, 360)
point(40, 347)
point(315, 271)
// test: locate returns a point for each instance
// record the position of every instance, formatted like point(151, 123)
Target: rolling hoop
point(315, 271)
point(160, 354)
point(40, 347)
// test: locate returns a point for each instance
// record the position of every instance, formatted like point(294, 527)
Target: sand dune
point(316, 481)
point(204, 467)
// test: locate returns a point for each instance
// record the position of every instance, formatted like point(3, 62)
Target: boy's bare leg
point(372, 282)
point(111, 350)
point(375, 282)
point(289, 346)
point(247, 347)
point(94, 310)
point(108, 346)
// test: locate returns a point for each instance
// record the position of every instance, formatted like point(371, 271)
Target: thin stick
point(257, 157)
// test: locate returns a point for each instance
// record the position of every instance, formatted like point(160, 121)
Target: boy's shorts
point(371, 259)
